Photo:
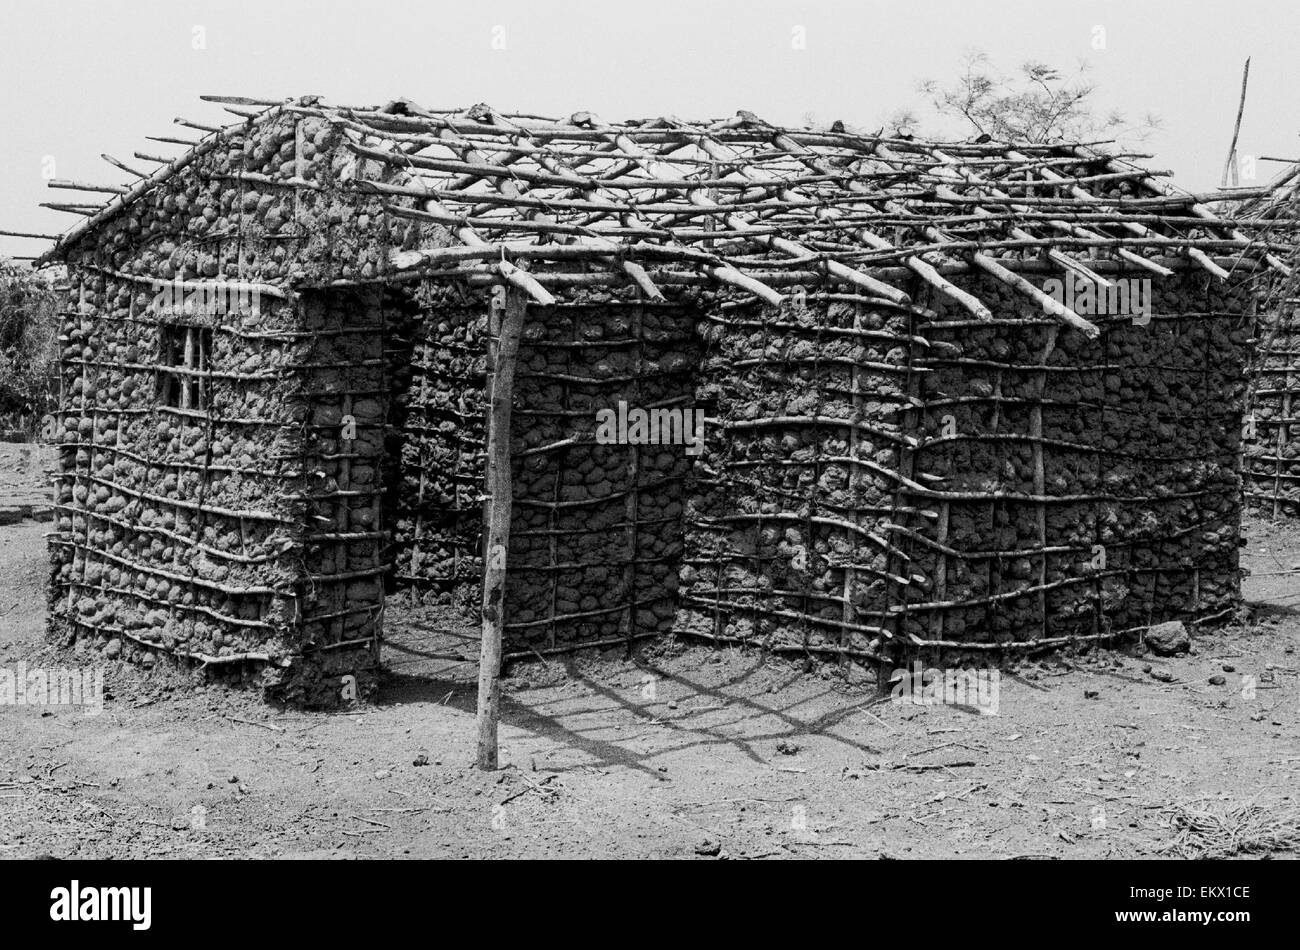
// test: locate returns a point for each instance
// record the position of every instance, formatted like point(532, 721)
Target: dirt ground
point(679, 753)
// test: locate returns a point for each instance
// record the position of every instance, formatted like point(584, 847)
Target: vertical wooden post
point(1279, 445)
point(1230, 163)
point(632, 504)
point(847, 612)
point(497, 519)
point(1040, 475)
point(185, 380)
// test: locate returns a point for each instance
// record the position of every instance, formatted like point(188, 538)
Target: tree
point(28, 346)
point(1036, 104)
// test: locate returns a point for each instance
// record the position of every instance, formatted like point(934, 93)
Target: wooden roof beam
point(509, 189)
point(925, 271)
point(1200, 211)
point(1074, 188)
point(123, 166)
point(82, 186)
point(1195, 253)
point(652, 166)
point(722, 272)
point(913, 262)
point(511, 274)
point(1063, 260)
point(1075, 230)
point(995, 270)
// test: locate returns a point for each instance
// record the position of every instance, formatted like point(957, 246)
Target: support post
point(497, 519)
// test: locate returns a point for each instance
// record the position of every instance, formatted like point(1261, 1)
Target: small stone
point(708, 847)
point(1229, 668)
point(382, 774)
point(1168, 639)
point(113, 649)
point(1218, 679)
point(1163, 676)
point(421, 759)
point(1091, 693)
point(787, 748)
point(233, 780)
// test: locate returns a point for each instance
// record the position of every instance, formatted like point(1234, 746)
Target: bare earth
point(677, 753)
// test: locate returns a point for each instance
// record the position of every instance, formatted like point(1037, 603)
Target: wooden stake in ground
point(496, 516)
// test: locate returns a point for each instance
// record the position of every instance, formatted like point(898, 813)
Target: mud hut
point(1271, 469)
point(814, 391)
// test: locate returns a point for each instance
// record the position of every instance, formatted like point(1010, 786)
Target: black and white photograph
point(714, 431)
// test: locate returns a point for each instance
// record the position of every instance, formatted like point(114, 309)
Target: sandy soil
point(690, 753)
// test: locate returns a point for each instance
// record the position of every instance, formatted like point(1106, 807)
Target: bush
point(28, 349)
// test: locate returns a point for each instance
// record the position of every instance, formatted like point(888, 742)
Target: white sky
point(81, 78)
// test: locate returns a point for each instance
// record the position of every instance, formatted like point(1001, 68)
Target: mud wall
point(1087, 487)
point(184, 524)
point(596, 535)
point(174, 528)
point(440, 414)
point(883, 481)
point(343, 385)
point(1272, 428)
point(596, 531)
point(788, 544)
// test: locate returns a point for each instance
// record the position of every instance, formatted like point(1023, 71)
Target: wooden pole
point(1230, 164)
point(497, 518)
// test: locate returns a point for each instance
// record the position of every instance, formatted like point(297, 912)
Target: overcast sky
point(81, 78)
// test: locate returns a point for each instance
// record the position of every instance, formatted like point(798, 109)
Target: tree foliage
point(28, 345)
point(1037, 103)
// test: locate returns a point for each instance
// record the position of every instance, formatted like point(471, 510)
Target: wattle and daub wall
point(869, 477)
point(210, 503)
point(242, 484)
point(1272, 426)
point(875, 478)
point(596, 530)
